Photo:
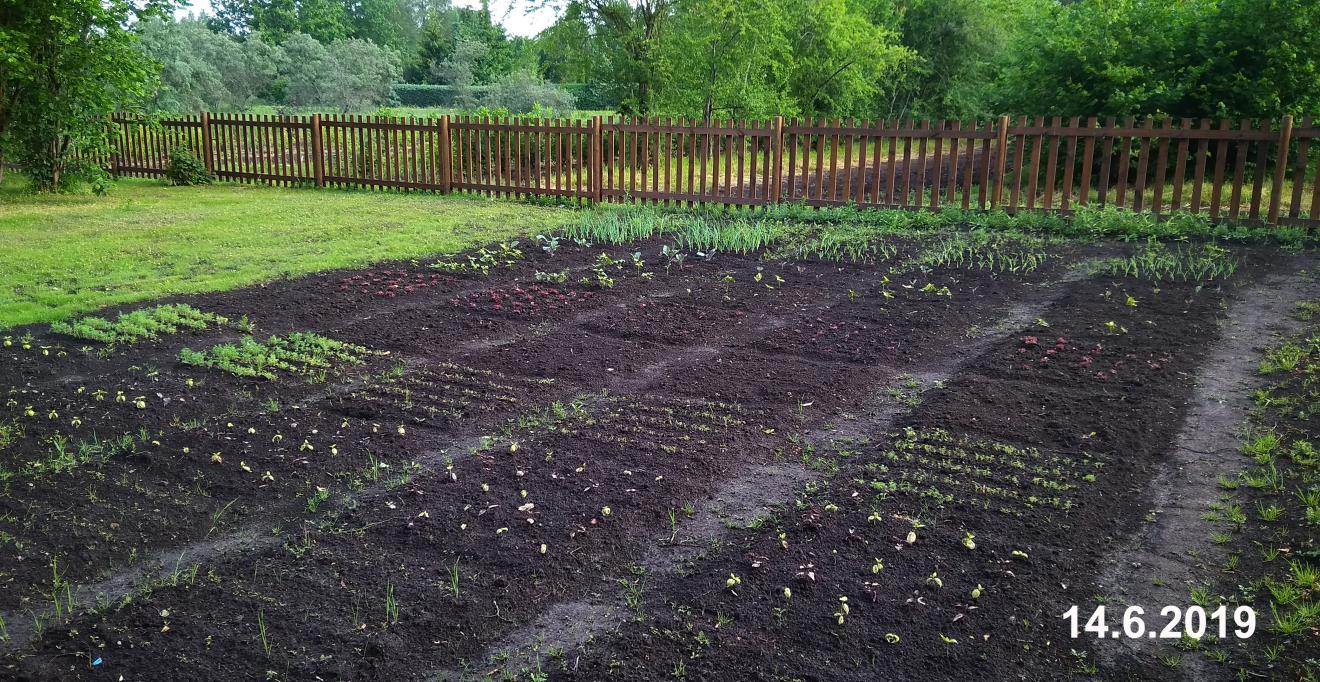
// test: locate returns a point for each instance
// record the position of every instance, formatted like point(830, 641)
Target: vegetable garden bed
point(603, 462)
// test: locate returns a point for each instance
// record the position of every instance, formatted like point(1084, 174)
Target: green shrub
point(184, 168)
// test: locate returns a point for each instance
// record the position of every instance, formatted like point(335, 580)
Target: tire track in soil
point(1207, 445)
point(254, 537)
point(568, 625)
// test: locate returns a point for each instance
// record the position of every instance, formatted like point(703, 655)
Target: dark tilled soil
point(603, 462)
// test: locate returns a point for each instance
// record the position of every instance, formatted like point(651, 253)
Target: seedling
point(261, 631)
point(391, 605)
point(842, 611)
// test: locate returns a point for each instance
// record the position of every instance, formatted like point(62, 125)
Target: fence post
point(446, 157)
point(1280, 166)
point(118, 126)
point(1002, 158)
point(318, 152)
point(208, 157)
point(596, 161)
point(777, 165)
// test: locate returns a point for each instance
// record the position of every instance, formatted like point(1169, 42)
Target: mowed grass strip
point(62, 255)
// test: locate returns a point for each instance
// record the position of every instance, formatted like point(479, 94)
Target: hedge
point(590, 96)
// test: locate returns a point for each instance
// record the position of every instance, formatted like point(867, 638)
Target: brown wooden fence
point(1246, 171)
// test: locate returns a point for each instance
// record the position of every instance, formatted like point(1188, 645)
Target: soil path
point(1160, 563)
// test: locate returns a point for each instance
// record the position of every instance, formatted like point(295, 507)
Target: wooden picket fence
point(1262, 172)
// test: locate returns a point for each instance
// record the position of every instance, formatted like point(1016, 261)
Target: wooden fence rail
point(1262, 172)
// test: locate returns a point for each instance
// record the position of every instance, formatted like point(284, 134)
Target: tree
point(630, 33)
point(1196, 58)
point(189, 81)
point(1254, 58)
point(632, 36)
point(843, 60)
point(568, 51)
point(459, 70)
point(443, 32)
point(956, 45)
point(65, 67)
point(728, 57)
point(349, 75)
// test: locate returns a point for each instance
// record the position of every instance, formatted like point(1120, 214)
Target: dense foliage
point(1235, 58)
point(742, 58)
point(64, 66)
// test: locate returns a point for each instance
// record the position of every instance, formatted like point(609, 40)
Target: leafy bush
point(523, 93)
point(184, 168)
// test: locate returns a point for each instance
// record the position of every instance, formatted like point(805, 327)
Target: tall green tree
point(568, 51)
point(844, 60)
point(65, 67)
point(445, 29)
point(956, 46)
point(728, 59)
point(1192, 58)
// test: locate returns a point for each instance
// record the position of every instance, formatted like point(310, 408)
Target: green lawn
point(69, 254)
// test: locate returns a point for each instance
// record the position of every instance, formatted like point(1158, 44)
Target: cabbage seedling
point(968, 542)
point(733, 581)
point(877, 567)
point(843, 610)
point(892, 638)
point(788, 593)
point(976, 591)
point(934, 580)
point(912, 537)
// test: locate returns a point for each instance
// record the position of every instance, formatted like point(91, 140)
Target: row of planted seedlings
point(696, 627)
point(125, 421)
point(427, 567)
point(168, 429)
point(260, 361)
point(923, 300)
point(170, 459)
point(1264, 520)
point(956, 532)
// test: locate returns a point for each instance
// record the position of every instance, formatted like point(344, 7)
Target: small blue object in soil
point(96, 662)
